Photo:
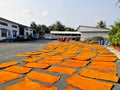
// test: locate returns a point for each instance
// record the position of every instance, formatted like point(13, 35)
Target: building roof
point(14, 22)
point(91, 29)
point(65, 32)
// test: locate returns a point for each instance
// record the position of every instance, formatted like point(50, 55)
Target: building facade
point(8, 29)
point(12, 30)
point(65, 34)
point(89, 32)
point(25, 32)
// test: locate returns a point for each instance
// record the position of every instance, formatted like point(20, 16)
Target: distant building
point(25, 32)
point(47, 36)
point(12, 30)
point(65, 34)
point(89, 32)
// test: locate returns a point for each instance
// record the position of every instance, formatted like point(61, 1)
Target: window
point(2, 23)
point(14, 33)
point(61, 34)
point(55, 34)
point(67, 34)
point(31, 34)
point(14, 26)
point(26, 29)
point(79, 35)
point(3, 33)
point(27, 34)
point(74, 34)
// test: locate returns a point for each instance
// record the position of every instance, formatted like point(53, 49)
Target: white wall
point(92, 29)
point(47, 36)
point(10, 28)
point(90, 35)
point(89, 32)
point(29, 31)
point(63, 36)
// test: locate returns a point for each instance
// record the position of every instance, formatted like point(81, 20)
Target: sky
point(71, 13)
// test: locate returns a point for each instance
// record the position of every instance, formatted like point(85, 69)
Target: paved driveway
point(8, 50)
point(61, 66)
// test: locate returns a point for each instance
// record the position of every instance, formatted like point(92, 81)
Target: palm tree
point(118, 3)
point(101, 24)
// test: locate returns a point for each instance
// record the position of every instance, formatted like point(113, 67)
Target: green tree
point(58, 26)
point(50, 28)
point(69, 29)
point(118, 3)
point(114, 34)
point(33, 25)
point(45, 29)
point(101, 24)
point(39, 29)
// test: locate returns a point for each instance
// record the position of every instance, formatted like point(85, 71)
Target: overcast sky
point(70, 12)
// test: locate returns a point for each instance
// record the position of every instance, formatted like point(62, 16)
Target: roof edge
point(91, 27)
point(14, 22)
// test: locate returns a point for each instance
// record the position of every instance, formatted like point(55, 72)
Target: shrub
point(114, 34)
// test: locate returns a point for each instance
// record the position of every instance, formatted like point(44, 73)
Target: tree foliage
point(33, 25)
point(50, 28)
point(58, 26)
point(69, 29)
point(43, 29)
point(118, 3)
point(114, 34)
point(101, 24)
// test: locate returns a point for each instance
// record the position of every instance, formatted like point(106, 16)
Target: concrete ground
point(114, 51)
point(117, 53)
point(8, 51)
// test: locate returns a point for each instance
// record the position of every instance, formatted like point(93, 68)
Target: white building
point(89, 32)
point(65, 34)
point(11, 30)
point(25, 32)
point(8, 29)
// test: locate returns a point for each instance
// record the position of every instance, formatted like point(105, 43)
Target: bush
point(115, 40)
point(114, 34)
